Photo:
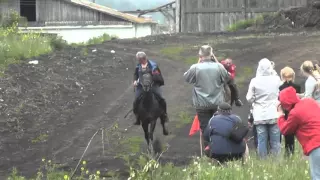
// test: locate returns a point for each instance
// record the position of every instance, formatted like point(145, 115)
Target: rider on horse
point(231, 68)
point(148, 66)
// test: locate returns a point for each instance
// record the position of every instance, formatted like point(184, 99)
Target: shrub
point(58, 43)
point(244, 24)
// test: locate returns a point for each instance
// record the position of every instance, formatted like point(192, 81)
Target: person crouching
point(217, 133)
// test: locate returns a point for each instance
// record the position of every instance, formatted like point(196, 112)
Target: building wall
point(217, 15)
point(78, 34)
point(58, 10)
point(7, 5)
point(142, 30)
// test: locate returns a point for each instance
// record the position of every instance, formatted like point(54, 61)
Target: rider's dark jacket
point(154, 69)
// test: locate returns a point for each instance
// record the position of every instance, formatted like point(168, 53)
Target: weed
point(244, 24)
point(183, 119)
point(84, 51)
point(40, 138)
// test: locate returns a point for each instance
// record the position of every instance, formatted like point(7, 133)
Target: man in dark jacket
point(222, 148)
point(148, 66)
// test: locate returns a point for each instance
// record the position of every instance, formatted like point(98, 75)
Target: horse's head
point(146, 82)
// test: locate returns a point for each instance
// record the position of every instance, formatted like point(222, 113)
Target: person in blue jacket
point(148, 66)
point(220, 125)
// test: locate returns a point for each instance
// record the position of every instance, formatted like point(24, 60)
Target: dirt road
point(51, 110)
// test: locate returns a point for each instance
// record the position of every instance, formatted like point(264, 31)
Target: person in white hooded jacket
point(263, 95)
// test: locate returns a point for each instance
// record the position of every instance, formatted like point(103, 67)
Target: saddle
point(158, 98)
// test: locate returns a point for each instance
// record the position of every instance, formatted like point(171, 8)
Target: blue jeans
point(264, 131)
point(314, 161)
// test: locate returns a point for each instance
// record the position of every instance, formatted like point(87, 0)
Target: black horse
point(149, 109)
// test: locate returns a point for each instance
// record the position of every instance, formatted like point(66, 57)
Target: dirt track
point(64, 99)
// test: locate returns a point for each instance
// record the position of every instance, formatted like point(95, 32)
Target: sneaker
point(238, 103)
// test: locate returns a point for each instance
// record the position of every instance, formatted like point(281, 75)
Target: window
point(28, 9)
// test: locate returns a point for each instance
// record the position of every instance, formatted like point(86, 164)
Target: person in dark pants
point(254, 130)
point(231, 68)
point(219, 127)
point(287, 75)
point(208, 79)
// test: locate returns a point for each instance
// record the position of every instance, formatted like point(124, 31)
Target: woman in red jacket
point(304, 122)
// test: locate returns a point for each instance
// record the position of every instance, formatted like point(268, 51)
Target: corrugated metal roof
point(110, 11)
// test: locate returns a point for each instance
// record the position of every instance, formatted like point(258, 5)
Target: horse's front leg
point(152, 128)
point(164, 126)
point(146, 132)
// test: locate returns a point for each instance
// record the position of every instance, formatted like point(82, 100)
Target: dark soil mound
point(292, 18)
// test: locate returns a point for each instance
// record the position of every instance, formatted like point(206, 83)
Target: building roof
point(110, 11)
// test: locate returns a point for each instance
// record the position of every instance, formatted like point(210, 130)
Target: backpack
point(238, 132)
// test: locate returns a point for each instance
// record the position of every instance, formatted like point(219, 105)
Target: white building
point(78, 20)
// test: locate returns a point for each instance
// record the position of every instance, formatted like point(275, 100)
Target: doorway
point(28, 10)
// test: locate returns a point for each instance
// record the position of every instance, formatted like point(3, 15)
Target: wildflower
point(49, 161)
point(98, 172)
point(82, 168)
point(87, 172)
point(84, 162)
point(184, 170)
point(66, 177)
point(43, 159)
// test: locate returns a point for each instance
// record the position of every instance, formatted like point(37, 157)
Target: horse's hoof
point(165, 132)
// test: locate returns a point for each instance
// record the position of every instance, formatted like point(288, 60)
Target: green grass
point(16, 46)
point(40, 138)
point(132, 144)
point(13, 46)
point(95, 40)
point(173, 52)
point(243, 24)
point(243, 75)
point(13, 42)
point(144, 167)
point(184, 118)
point(203, 169)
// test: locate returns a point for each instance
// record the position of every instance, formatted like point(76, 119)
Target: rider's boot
point(135, 112)
point(238, 102)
